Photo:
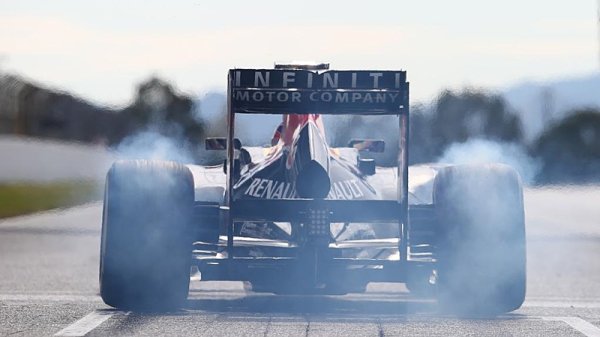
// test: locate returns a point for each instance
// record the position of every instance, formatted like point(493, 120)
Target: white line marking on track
point(578, 324)
point(561, 304)
point(87, 323)
point(49, 298)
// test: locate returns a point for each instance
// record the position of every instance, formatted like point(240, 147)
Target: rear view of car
point(278, 217)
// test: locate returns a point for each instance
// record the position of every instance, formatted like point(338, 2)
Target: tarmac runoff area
point(49, 286)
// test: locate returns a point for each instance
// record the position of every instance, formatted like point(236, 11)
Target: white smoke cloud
point(481, 151)
point(152, 145)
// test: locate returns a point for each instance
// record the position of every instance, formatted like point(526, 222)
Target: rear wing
point(277, 91)
point(305, 91)
point(302, 91)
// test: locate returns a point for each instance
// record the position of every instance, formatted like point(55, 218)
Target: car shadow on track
point(309, 304)
point(348, 306)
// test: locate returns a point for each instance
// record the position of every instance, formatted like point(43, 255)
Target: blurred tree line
point(453, 118)
point(159, 106)
point(568, 149)
point(32, 110)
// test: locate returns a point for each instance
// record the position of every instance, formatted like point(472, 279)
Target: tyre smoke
point(482, 151)
point(152, 145)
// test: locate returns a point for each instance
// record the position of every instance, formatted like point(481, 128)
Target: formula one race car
point(301, 217)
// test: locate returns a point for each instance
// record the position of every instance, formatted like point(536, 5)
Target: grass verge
point(23, 198)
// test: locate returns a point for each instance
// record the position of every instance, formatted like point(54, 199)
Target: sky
point(101, 49)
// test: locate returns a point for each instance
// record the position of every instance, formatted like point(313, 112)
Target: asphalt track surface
point(49, 286)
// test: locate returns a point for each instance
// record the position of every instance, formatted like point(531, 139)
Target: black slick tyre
point(481, 240)
point(146, 239)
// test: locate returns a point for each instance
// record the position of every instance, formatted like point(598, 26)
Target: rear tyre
point(146, 240)
point(481, 242)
